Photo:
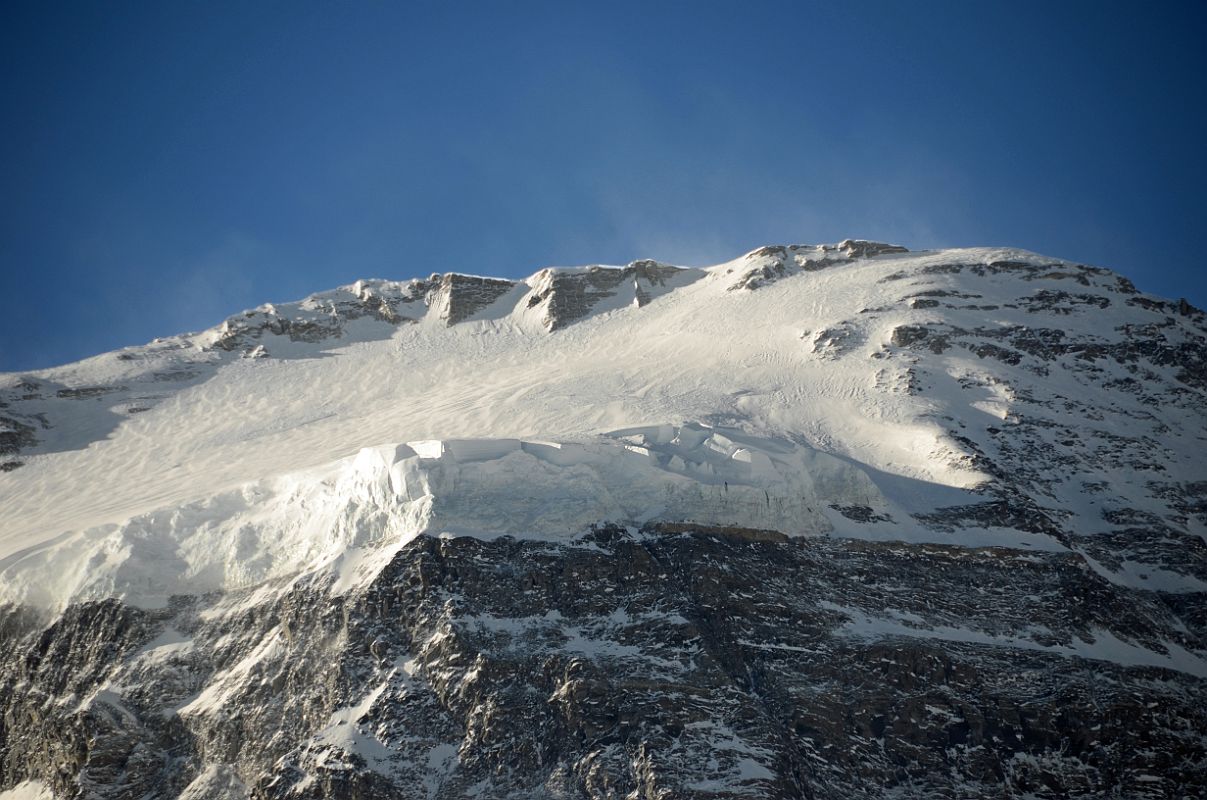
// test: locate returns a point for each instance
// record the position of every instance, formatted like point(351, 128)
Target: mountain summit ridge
point(822, 521)
point(739, 347)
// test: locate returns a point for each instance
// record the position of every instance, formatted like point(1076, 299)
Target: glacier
point(816, 521)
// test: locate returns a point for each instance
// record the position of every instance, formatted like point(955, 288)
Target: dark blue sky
point(167, 164)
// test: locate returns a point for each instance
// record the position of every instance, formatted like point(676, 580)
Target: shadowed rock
point(456, 298)
point(769, 264)
point(570, 295)
point(690, 663)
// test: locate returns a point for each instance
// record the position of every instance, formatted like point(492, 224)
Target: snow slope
point(849, 390)
point(28, 790)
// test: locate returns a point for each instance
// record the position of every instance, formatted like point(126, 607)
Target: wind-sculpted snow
point(1071, 402)
point(823, 521)
point(355, 514)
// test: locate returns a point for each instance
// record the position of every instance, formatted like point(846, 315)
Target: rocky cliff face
point(625, 663)
point(565, 296)
point(823, 522)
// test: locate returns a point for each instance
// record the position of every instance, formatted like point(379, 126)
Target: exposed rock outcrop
point(674, 664)
point(567, 295)
point(769, 264)
point(455, 298)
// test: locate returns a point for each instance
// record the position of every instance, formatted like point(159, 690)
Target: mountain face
point(831, 521)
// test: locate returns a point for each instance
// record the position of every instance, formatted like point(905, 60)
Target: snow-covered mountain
point(822, 521)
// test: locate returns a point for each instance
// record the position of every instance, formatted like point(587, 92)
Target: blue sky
point(167, 164)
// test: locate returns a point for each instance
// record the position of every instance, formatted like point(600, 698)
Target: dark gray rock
point(775, 262)
point(458, 297)
point(571, 295)
point(666, 664)
point(861, 248)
